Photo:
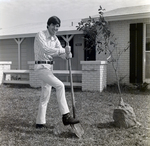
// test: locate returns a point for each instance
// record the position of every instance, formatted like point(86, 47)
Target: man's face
point(53, 29)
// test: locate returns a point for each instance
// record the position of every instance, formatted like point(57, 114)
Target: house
point(17, 45)
point(130, 24)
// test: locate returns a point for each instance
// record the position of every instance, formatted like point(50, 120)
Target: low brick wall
point(33, 78)
point(94, 75)
point(4, 65)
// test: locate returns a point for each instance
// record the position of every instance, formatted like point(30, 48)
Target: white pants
point(48, 81)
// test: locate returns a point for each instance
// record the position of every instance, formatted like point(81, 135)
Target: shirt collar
point(49, 36)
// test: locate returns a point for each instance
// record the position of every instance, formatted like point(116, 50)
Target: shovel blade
point(77, 129)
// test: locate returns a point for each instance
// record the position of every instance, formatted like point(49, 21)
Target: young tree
point(98, 36)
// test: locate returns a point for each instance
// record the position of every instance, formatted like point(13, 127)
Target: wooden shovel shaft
point(77, 128)
point(72, 91)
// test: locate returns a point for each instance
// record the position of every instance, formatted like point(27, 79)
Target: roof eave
point(17, 36)
point(128, 17)
point(69, 32)
point(28, 35)
point(124, 17)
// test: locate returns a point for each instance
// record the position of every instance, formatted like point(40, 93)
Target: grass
point(19, 107)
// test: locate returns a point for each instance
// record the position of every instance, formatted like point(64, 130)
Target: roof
point(127, 13)
point(30, 29)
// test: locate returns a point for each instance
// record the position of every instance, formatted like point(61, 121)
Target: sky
point(18, 12)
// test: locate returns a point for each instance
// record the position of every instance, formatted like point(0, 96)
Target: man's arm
point(45, 48)
point(66, 52)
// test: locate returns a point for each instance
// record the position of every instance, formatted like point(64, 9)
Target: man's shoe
point(40, 126)
point(67, 119)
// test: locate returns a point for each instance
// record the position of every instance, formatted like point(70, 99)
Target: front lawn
point(95, 111)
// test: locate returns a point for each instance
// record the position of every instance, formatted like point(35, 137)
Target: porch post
point(19, 41)
point(67, 40)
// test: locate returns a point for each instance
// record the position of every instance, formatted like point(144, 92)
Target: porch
point(8, 77)
point(93, 75)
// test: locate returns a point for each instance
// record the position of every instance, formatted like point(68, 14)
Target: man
point(47, 46)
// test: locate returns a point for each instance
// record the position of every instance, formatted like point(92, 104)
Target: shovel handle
point(72, 91)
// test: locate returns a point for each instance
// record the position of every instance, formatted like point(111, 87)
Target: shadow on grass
point(132, 89)
point(21, 126)
point(22, 86)
point(68, 134)
point(106, 125)
point(17, 85)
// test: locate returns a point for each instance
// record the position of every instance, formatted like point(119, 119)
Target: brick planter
point(94, 75)
point(33, 78)
point(6, 65)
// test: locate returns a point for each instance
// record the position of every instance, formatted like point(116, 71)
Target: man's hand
point(69, 56)
point(68, 53)
point(67, 49)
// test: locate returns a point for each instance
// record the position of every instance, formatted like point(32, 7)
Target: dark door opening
point(89, 55)
point(136, 53)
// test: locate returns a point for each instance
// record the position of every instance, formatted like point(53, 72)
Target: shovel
point(77, 128)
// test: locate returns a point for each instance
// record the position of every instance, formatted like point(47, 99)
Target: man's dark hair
point(54, 20)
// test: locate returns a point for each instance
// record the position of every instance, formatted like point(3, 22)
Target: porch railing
point(8, 77)
point(92, 77)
